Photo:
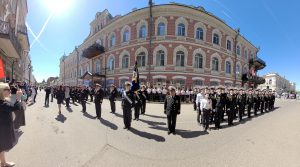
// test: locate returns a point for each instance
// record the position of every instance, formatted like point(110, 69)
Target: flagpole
point(150, 43)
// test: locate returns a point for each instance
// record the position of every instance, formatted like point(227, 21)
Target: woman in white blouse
point(206, 107)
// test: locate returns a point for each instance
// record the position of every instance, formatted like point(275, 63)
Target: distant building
point(278, 83)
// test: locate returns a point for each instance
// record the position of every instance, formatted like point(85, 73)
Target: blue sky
point(271, 24)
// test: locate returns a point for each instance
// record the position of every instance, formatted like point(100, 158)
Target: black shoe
point(137, 119)
point(128, 128)
point(169, 132)
point(124, 127)
point(174, 133)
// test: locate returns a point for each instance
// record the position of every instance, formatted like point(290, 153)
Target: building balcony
point(256, 80)
point(23, 37)
point(9, 42)
point(258, 63)
point(93, 51)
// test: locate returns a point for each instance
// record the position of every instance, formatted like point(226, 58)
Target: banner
point(2, 72)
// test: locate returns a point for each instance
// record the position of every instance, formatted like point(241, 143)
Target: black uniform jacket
point(172, 105)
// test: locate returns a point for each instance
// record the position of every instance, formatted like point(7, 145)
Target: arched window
point(141, 59)
point(111, 64)
point(238, 69)
point(112, 40)
point(181, 29)
point(246, 55)
point(245, 70)
point(180, 58)
point(228, 67)
point(125, 61)
point(87, 68)
point(198, 62)
point(228, 45)
point(216, 39)
point(197, 83)
point(238, 50)
point(80, 72)
point(215, 64)
point(160, 58)
point(199, 33)
point(97, 66)
point(126, 36)
point(161, 29)
point(214, 83)
point(143, 31)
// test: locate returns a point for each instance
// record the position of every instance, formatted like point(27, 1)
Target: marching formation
point(214, 105)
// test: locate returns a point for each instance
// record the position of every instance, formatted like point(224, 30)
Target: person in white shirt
point(154, 94)
point(199, 97)
point(182, 94)
point(206, 107)
point(159, 93)
point(164, 93)
point(187, 96)
point(67, 96)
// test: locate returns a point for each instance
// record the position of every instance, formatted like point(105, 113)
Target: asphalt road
point(75, 139)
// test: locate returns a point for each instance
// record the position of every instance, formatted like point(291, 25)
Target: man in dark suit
point(143, 96)
point(112, 98)
point(99, 94)
point(48, 91)
point(127, 105)
point(172, 109)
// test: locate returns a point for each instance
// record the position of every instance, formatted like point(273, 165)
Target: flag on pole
point(135, 78)
point(2, 73)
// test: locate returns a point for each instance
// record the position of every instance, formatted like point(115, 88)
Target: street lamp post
point(77, 53)
point(150, 41)
point(235, 55)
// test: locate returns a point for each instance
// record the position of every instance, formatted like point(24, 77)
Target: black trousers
point(143, 107)
point(172, 122)
point(127, 116)
point(52, 95)
point(241, 111)
point(262, 106)
point(249, 109)
point(113, 106)
point(83, 104)
point(231, 113)
point(256, 107)
point(34, 97)
point(137, 110)
point(92, 98)
point(218, 115)
point(98, 109)
point(205, 118)
point(199, 113)
point(68, 102)
point(47, 100)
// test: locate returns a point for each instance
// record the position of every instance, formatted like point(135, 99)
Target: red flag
point(2, 74)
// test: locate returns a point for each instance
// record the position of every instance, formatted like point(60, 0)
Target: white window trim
point(231, 66)
point(186, 53)
point(138, 51)
point(161, 20)
point(216, 31)
point(126, 27)
point(220, 62)
point(185, 22)
point(158, 48)
point(179, 77)
point(200, 51)
point(159, 76)
point(123, 53)
point(139, 25)
point(200, 25)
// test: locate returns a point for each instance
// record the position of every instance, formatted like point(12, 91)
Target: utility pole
point(150, 56)
point(235, 55)
point(77, 53)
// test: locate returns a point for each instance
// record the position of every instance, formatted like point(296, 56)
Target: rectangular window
point(228, 45)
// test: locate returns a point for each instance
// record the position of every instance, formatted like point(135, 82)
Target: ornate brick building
point(173, 44)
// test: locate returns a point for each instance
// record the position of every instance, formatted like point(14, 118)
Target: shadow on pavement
point(148, 135)
point(183, 133)
point(108, 124)
point(61, 118)
point(119, 115)
point(88, 115)
point(155, 116)
point(18, 134)
point(30, 104)
point(152, 123)
point(69, 109)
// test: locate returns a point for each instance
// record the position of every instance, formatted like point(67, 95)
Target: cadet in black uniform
point(256, 102)
point(83, 94)
point(250, 101)
point(143, 96)
point(112, 98)
point(231, 106)
point(240, 98)
point(219, 104)
point(172, 109)
point(92, 93)
point(212, 96)
point(138, 104)
point(127, 105)
point(99, 94)
point(273, 97)
point(262, 102)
